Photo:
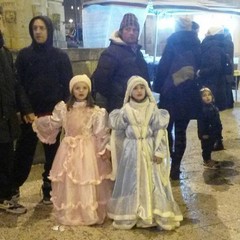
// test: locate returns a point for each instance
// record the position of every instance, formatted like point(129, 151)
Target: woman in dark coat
point(176, 83)
point(211, 73)
point(212, 69)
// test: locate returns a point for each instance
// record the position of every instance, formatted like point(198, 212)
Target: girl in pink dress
point(81, 173)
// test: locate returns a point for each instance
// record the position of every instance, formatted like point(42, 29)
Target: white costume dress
point(80, 178)
point(142, 194)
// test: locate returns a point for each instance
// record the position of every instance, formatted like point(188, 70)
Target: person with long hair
point(81, 170)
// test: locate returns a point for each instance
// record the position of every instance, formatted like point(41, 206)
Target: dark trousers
point(207, 147)
point(6, 170)
point(25, 150)
point(177, 141)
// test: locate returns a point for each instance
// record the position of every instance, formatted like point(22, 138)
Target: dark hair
point(1, 10)
point(72, 100)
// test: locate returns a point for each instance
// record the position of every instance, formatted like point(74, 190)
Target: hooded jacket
point(44, 71)
point(12, 98)
point(116, 65)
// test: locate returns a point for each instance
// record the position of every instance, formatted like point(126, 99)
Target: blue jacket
point(116, 65)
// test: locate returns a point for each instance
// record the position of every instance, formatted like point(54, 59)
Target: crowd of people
point(119, 147)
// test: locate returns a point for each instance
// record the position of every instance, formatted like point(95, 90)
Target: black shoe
point(218, 146)
point(47, 200)
point(46, 189)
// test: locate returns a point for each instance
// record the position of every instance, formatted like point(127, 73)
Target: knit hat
point(215, 30)
point(133, 82)
point(129, 19)
point(205, 89)
point(183, 24)
point(80, 78)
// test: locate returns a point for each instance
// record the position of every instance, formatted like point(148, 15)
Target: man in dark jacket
point(44, 72)
point(121, 60)
point(11, 94)
point(176, 83)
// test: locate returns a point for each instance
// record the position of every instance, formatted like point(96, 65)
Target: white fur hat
point(80, 78)
point(215, 30)
point(133, 82)
point(183, 24)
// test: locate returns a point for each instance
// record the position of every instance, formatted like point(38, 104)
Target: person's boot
point(46, 189)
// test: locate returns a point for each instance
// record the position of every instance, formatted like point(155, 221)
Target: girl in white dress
point(81, 171)
point(142, 194)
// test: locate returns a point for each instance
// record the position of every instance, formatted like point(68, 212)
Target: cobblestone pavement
point(209, 200)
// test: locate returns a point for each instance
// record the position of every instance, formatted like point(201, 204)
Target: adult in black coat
point(176, 83)
point(12, 100)
point(121, 60)
point(212, 69)
point(45, 72)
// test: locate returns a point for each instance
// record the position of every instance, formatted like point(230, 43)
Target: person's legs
point(6, 170)
point(179, 147)
point(50, 152)
point(6, 180)
point(207, 146)
point(25, 149)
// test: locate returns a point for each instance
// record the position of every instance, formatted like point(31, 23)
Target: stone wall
point(18, 13)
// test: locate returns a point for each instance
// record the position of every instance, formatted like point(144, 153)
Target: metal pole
point(76, 19)
point(155, 39)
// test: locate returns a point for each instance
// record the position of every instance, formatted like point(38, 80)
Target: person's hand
point(106, 155)
point(29, 118)
point(157, 160)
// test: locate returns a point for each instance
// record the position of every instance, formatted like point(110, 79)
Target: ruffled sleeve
point(100, 129)
point(159, 126)
point(48, 127)
point(118, 119)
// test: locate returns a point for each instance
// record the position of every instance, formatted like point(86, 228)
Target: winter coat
point(44, 71)
point(175, 79)
point(12, 98)
point(116, 65)
point(209, 122)
point(212, 68)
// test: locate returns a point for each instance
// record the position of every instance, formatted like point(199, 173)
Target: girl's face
point(139, 93)
point(207, 97)
point(80, 91)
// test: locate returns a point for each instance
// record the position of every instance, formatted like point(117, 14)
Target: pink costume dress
point(81, 184)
